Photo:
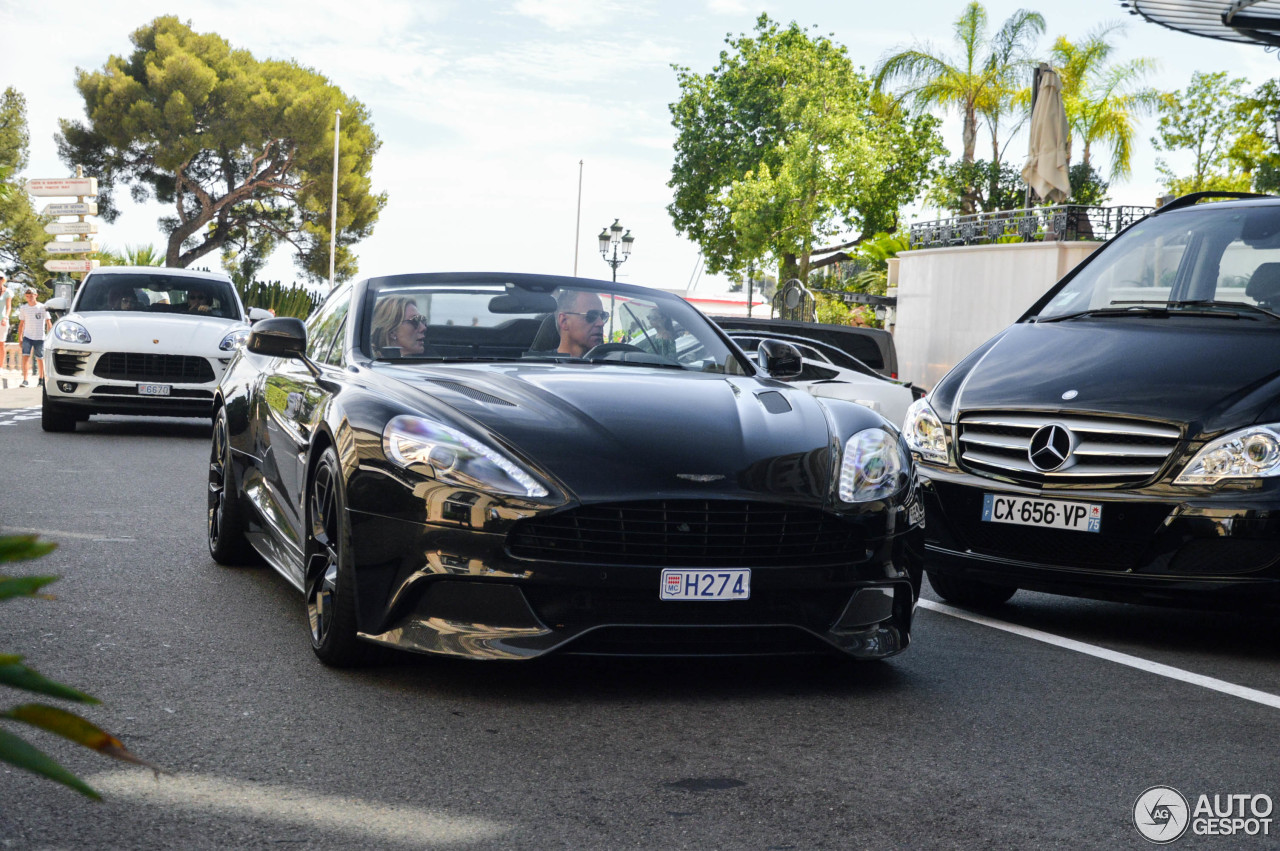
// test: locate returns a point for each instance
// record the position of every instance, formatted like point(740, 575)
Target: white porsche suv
point(141, 340)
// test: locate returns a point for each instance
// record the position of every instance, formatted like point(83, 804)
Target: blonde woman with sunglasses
point(397, 324)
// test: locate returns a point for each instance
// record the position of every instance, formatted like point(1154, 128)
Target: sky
point(486, 108)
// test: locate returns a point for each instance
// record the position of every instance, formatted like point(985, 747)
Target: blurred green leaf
point(23, 586)
point(20, 676)
point(23, 547)
point(17, 751)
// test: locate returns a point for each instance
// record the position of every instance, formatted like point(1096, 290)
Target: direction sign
point(77, 186)
point(71, 227)
point(71, 265)
point(87, 209)
point(77, 247)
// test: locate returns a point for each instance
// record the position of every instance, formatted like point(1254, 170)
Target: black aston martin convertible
point(499, 466)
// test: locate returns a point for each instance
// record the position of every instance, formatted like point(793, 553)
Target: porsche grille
point(138, 366)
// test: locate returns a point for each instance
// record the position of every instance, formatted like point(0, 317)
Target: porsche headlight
point(234, 340)
point(1250, 453)
point(924, 432)
point(71, 332)
point(873, 467)
point(446, 454)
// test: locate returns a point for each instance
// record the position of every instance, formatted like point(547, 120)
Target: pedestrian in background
point(6, 308)
point(33, 324)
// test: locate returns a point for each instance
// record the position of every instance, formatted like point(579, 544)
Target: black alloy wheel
point(970, 592)
point(330, 587)
point(227, 542)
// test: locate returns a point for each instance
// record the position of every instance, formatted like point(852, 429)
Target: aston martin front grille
point(139, 366)
point(690, 533)
point(1103, 451)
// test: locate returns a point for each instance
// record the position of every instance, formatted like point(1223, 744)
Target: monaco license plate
point(1049, 513)
point(154, 389)
point(729, 584)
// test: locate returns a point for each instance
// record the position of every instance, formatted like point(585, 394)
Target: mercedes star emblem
point(1050, 447)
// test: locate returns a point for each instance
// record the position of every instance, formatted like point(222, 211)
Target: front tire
point(55, 417)
point(225, 519)
point(330, 586)
point(970, 592)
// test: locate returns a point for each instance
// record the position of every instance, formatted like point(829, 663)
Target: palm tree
point(1102, 101)
point(982, 82)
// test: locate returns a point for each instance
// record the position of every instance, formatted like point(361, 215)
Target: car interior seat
point(1264, 286)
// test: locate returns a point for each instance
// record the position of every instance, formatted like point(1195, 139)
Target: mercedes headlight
point(1250, 453)
point(234, 340)
point(71, 332)
point(873, 467)
point(443, 453)
point(924, 432)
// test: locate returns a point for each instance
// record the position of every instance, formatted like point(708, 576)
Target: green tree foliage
point(982, 81)
point(785, 143)
point(1087, 186)
point(22, 235)
point(241, 148)
point(1256, 149)
point(1103, 100)
point(981, 185)
point(1207, 119)
point(14, 674)
point(279, 299)
point(132, 255)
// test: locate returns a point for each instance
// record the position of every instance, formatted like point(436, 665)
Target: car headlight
point(71, 332)
point(873, 467)
point(1250, 453)
point(924, 432)
point(443, 453)
point(234, 340)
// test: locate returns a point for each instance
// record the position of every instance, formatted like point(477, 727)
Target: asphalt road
point(975, 737)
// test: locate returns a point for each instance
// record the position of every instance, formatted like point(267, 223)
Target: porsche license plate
point(154, 389)
point(1048, 513)
point(684, 584)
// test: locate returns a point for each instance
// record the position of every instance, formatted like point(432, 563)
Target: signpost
point(71, 265)
point(78, 187)
point(62, 186)
point(71, 227)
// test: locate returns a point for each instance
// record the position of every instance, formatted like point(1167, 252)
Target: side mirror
point(282, 337)
point(779, 359)
point(257, 314)
point(56, 303)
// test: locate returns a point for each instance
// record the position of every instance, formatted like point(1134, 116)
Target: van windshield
point(1204, 257)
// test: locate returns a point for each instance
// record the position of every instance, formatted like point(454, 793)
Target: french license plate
point(684, 584)
point(154, 389)
point(1049, 513)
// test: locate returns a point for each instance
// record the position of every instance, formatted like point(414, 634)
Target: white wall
point(951, 300)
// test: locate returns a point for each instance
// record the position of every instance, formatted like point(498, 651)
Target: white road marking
point(374, 822)
point(1265, 698)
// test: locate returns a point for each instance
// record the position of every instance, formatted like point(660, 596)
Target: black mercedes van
point(1121, 440)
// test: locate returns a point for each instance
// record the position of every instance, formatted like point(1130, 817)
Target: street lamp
point(613, 242)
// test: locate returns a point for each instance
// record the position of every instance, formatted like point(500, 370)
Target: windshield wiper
point(1127, 308)
point(1219, 307)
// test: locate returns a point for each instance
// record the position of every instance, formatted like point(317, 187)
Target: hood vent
point(1097, 451)
point(471, 392)
point(774, 402)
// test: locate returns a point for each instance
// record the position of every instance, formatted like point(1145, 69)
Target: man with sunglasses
point(580, 319)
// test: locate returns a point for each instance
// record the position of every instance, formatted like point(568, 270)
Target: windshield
point(156, 292)
point(1227, 258)
point(497, 319)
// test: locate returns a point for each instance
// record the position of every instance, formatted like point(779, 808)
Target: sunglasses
point(416, 321)
point(592, 316)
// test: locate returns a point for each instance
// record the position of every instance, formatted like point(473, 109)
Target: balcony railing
point(1069, 222)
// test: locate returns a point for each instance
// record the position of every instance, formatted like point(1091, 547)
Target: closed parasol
point(1046, 168)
